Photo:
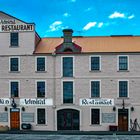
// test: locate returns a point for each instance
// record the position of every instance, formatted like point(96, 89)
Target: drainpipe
point(54, 89)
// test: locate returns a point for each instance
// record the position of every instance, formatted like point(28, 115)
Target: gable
point(11, 24)
point(68, 48)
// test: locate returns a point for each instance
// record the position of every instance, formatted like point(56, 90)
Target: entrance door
point(15, 118)
point(123, 119)
point(68, 119)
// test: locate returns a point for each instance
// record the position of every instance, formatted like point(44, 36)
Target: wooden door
point(122, 119)
point(15, 119)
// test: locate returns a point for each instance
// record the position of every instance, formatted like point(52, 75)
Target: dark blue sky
point(85, 17)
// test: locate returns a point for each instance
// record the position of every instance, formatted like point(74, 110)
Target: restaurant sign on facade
point(97, 102)
point(36, 102)
point(12, 25)
point(5, 101)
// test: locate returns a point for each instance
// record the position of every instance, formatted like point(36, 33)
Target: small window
point(41, 116)
point(68, 92)
point(41, 64)
point(123, 88)
point(14, 39)
point(95, 63)
point(123, 63)
point(68, 50)
point(14, 89)
point(41, 89)
point(95, 116)
point(95, 88)
point(67, 66)
point(14, 64)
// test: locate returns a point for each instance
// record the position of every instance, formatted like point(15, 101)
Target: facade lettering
point(97, 102)
point(4, 101)
point(34, 102)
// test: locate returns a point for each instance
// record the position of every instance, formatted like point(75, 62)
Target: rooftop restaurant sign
point(36, 102)
point(10, 25)
point(97, 102)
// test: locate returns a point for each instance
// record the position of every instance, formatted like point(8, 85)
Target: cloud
point(89, 25)
point(55, 26)
point(117, 15)
point(100, 24)
point(132, 16)
point(66, 14)
point(121, 15)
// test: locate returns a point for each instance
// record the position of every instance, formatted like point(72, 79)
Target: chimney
point(67, 35)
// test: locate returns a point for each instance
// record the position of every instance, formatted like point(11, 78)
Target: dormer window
point(68, 50)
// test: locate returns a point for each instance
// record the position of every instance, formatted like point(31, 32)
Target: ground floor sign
point(36, 101)
point(97, 102)
point(28, 101)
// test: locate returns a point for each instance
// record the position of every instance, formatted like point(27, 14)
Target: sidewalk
point(71, 132)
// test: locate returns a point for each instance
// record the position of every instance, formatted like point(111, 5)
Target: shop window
point(95, 116)
point(41, 116)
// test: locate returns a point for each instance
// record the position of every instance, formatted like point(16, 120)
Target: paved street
point(67, 137)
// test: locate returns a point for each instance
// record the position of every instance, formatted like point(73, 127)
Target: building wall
point(26, 44)
point(108, 76)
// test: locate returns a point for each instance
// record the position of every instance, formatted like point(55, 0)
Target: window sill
point(14, 97)
point(14, 71)
point(41, 125)
point(67, 77)
point(68, 104)
point(40, 71)
point(96, 71)
point(123, 71)
point(120, 98)
point(14, 46)
point(95, 125)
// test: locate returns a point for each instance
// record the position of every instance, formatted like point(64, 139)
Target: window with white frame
point(41, 116)
point(123, 63)
point(95, 63)
point(14, 88)
point(41, 86)
point(14, 39)
point(95, 116)
point(40, 64)
point(123, 88)
point(14, 64)
point(67, 66)
point(95, 88)
point(68, 92)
